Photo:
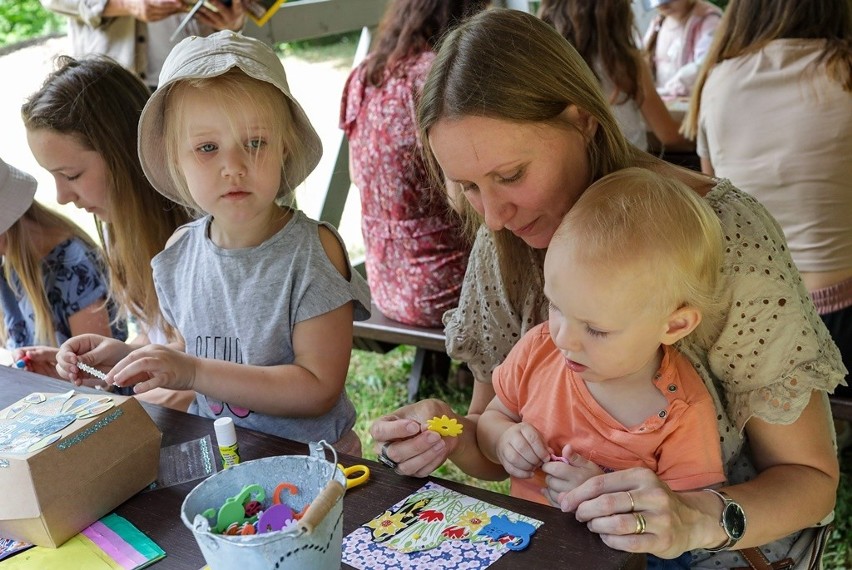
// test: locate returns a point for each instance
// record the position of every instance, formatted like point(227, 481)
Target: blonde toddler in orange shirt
point(632, 270)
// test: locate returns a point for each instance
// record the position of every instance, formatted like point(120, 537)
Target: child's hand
point(521, 450)
point(154, 366)
point(566, 476)
point(92, 349)
point(40, 359)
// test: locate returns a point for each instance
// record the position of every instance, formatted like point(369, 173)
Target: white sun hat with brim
point(204, 57)
point(17, 190)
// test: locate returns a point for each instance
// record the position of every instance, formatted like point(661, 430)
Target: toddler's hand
point(521, 450)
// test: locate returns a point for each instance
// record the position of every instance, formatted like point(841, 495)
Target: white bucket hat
point(197, 58)
point(17, 190)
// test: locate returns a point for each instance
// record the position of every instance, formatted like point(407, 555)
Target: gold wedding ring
point(640, 523)
point(632, 504)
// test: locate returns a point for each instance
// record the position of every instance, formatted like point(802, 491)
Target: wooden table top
point(561, 542)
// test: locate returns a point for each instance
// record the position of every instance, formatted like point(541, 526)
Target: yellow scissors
point(353, 479)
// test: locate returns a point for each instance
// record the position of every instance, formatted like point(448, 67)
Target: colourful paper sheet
point(433, 528)
point(112, 543)
point(9, 547)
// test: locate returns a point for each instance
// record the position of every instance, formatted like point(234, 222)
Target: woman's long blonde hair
point(99, 103)
point(509, 65)
point(23, 260)
point(747, 26)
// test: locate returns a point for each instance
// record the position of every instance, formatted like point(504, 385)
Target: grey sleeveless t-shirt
point(241, 305)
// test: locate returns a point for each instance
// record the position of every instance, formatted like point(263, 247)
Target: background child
point(677, 41)
point(81, 127)
point(631, 270)
point(263, 297)
point(602, 32)
point(53, 283)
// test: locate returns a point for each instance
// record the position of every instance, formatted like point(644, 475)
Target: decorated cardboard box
point(55, 479)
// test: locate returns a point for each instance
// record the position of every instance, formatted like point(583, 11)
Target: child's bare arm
point(308, 387)
point(506, 440)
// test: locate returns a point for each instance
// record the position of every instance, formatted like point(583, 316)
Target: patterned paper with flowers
point(431, 528)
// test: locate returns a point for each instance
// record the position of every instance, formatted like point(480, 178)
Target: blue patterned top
point(74, 277)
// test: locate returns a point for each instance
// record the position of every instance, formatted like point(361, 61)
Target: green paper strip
point(133, 536)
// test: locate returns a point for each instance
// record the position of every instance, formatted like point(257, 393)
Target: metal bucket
point(315, 542)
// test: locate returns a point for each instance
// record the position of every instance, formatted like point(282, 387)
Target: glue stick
point(226, 438)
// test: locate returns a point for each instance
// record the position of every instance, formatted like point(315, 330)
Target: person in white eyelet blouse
point(514, 118)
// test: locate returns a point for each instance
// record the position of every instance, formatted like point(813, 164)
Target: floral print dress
point(416, 255)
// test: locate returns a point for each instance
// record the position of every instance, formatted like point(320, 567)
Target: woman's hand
point(611, 505)
point(231, 17)
point(154, 366)
point(566, 474)
point(404, 439)
point(41, 359)
point(92, 349)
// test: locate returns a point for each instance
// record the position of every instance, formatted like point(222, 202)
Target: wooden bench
point(381, 334)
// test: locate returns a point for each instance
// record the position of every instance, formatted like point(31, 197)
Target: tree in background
point(25, 19)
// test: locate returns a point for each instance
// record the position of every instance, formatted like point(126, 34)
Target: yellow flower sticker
point(388, 523)
point(445, 426)
point(473, 521)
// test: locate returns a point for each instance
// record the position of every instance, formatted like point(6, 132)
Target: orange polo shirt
point(680, 444)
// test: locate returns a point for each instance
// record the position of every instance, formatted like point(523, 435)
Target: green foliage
point(376, 384)
point(25, 19)
point(339, 48)
point(838, 552)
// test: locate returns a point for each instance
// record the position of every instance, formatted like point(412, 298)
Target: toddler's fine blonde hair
point(235, 93)
point(636, 216)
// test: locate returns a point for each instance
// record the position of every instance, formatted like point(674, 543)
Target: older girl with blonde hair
point(81, 127)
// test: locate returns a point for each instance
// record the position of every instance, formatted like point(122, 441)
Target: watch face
point(734, 521)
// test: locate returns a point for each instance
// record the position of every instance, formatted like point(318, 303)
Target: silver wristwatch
point(732, 521)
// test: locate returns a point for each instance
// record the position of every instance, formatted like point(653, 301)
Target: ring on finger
point(385, 460)
point(632, 504)
point(640, 523)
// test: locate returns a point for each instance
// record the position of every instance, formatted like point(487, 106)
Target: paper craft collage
point(35, 421)
point(437, 528)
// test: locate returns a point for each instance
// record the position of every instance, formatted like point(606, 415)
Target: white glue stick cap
point(225, 433)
